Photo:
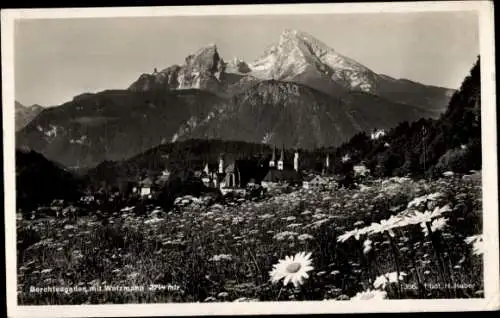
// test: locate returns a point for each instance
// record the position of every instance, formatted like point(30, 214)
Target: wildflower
point(209, 299)
point(304, 237)
point(359, 223)
point(367, 246)
point(418, 201)
point(153, 220)
point(435, 196)
point(317, 224)
point(388, 278)
point(284, 235)
point(370, 295)
point(292, 269)
point(386, 225)
point(347, 235)
point(266, 216)
point(223, 294)
point(427, 216)
point(477, 244)
point(221, 257)
point(436, 225)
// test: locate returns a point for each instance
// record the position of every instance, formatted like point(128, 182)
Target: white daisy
point(435, 195)
point(367, 246)
point(436, 225)
point(304, 237)
point(427, 216)
point(477, 244)
point(388, 278)
point(417, 201)
point(292, 269)
point(347, 235)
point(385, 225)
point(370, 295)
point(221, 257)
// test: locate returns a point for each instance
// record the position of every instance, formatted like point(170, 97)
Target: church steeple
point(221, 163)
point(296, 161)
point(326, 166)
point(272, 163)
point(282, 159)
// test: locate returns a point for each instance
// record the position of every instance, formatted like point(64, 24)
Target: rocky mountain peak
point(299, 55)
point(202, 70)
point(206, 59)
point(237, 65)
point(296, 56)
point(314, 45)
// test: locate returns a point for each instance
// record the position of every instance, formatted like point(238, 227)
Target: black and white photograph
point(206, 158)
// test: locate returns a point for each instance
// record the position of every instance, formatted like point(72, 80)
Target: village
point(235, 177)
point(219, 181)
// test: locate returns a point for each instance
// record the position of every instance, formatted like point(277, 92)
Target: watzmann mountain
point(300, 93)
point(296, 57)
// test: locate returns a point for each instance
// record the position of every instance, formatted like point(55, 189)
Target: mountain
point(39, 181)
point(294, 115)
point(113, 124)
point(202, 70)
point(23, 114)
point(300, 93)
point(296, 57)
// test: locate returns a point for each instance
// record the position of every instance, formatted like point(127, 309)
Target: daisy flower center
point(293, 267)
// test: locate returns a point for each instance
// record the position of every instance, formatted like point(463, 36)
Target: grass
point(213, 252)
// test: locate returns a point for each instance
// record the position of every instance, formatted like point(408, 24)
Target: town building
point(315, 182)
point(145, 187)
point(283, 174)
point(360, 170)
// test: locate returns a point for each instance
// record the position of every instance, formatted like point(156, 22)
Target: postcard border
point(490, 191)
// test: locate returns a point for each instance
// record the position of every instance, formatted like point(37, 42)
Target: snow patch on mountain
point(296, 51)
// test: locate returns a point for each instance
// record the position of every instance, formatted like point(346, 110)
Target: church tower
point(326, 166)
point(282, 158)
point(221, 164)
point(296, 161)
point(272, 163)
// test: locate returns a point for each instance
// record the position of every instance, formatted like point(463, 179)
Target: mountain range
point(299, 93)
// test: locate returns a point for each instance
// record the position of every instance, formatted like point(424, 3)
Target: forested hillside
point(426, 147)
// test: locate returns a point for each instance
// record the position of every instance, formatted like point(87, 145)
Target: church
point(282, 173)
point(227, 178)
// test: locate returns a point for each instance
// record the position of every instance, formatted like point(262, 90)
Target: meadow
point(387, 239)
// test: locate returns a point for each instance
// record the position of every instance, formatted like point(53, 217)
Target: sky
point(57, 59)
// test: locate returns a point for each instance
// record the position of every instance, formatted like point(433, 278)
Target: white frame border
point(490, 191)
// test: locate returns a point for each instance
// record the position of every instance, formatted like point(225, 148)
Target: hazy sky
point(58, 59)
